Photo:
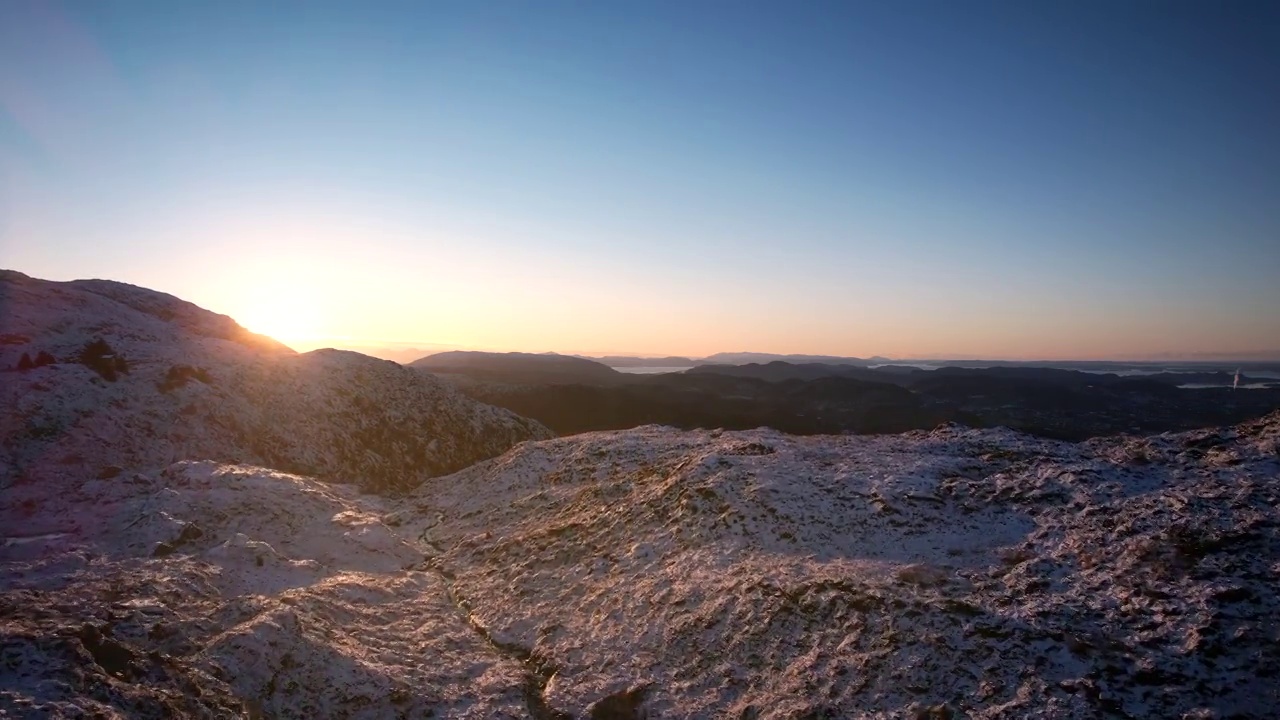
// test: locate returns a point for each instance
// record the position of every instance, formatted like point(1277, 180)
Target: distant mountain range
point(1255, 361)
point(553, 367)
point(647, 362)
point(572, 395)
point(727, 358)
point(742, 358)
point(518, 367)
point(777, 371)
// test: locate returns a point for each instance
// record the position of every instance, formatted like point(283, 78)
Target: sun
point(290, 317)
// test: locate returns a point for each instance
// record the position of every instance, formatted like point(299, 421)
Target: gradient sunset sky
point(908, 179)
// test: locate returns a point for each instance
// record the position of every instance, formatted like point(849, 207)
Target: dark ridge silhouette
point(518, 367)
point(618, 361)
point(741, 358)
point(816, 398)
point(779, 370)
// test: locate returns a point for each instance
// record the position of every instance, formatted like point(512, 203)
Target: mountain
point(1133, 367)
point(1220, 378)
point(742, 358)
point(816, 398)
point(516, 367)
point(660, 573)
point(779, 370)
point(649, 362)
point(136, 380)
point(396, 353)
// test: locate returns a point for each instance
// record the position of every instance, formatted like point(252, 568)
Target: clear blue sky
point(1014, 179)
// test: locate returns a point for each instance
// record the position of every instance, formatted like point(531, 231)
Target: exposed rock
point(622, 705)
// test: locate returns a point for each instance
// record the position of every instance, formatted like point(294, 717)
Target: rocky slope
point(222, 591)
point(975, 572)
point(173, 382)
point(659, 573)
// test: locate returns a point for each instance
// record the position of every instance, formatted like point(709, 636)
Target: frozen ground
point(658, 573)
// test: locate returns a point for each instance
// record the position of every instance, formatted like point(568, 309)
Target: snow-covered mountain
point(171, 381)
point(658, 573)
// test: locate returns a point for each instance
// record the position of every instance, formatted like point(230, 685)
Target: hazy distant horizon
point(408, 350)
point(416, 350)
point(993, 179)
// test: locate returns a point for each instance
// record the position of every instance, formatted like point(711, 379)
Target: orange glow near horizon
point(313, 281)
point(313, 274)
point(782, 191)
point(285, 318)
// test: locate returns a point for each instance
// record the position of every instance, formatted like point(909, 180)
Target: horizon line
point(435, 348)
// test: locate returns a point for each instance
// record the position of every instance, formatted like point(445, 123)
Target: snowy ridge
point(657, 573)
point(198, 386)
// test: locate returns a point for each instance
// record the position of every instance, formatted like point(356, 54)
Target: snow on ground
point(659, 573)
point(236, 591)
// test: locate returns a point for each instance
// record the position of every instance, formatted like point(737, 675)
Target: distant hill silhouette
point(742, 358)
point(820, 398)
point(778, 371)
point(650, 362)
point(517, 367)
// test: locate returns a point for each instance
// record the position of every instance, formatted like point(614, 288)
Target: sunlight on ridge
point(288, 314)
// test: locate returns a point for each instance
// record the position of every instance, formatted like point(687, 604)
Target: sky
point(1059, 180)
